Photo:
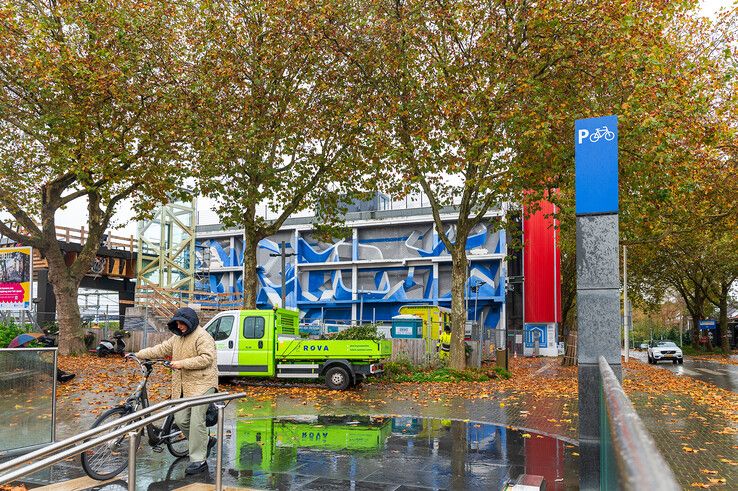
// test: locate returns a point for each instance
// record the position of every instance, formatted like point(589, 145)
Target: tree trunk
point(66, 278)
point(725, 334)
point(250, 280)
point(458, 308)
point(697, 309)
point(66, 290)
point(568, 292)
point(71, 334)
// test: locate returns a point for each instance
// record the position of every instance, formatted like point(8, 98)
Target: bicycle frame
point(140, 400)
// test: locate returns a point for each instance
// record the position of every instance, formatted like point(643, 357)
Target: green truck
point(266, 343)
point(272, 445)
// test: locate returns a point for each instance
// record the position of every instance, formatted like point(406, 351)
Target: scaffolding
point(166, 247)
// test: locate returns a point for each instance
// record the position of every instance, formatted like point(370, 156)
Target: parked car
point(643, 346)
point(664, 350)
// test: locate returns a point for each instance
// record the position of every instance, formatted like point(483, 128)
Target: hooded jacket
point(195, 348)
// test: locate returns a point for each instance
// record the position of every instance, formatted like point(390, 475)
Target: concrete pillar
point(128, 292)
point(46, 306)
point(598, 282)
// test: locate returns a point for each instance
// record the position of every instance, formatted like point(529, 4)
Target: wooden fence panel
point(136, 341)
point(418, 351)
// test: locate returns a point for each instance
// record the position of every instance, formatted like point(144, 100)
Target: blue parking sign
point(596, 161)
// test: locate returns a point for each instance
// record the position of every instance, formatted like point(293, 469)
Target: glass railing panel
point(27, 398)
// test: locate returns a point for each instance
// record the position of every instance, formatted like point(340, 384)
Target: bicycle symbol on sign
point(603, 132)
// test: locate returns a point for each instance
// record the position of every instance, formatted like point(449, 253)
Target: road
point(720, 374)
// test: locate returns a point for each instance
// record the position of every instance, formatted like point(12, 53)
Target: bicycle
point(110, 458)
point(603, 132)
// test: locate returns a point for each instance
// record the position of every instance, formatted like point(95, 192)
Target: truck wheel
point(337, 378)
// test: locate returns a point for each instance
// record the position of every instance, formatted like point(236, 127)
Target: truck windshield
point(221, 328)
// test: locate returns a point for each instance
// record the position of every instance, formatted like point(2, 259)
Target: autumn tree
point(276, 116)
point(475, 100)
point(680, 224)
point(88, 96)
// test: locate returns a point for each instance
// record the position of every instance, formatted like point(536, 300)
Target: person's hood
point(186, 315)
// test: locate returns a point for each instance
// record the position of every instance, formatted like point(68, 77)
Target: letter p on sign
point(582, 135)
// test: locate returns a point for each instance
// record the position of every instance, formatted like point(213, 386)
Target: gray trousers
point(192, 423)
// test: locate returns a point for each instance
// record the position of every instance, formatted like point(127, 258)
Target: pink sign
point(11, 293)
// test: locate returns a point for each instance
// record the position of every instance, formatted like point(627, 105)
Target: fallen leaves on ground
point(647, 379)
point(105, 382)
point(718, 358)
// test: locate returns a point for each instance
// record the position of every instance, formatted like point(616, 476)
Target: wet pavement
point(360, 452)
point(721, 375)
point(690, 439)
point(410, 435)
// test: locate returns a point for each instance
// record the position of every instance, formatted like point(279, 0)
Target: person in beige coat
point(194, 359)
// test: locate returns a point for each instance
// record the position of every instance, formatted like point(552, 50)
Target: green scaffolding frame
point(166, 247)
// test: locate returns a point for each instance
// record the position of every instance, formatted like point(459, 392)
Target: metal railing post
point(219, 450)
point(132, 446)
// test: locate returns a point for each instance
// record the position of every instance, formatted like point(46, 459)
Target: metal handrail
point(94, 431)
point(640, 465)
point(136, 425)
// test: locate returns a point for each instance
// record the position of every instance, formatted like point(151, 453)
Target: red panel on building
point(542, 266)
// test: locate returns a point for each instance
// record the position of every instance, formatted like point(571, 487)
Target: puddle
point(392, 453)
point(359, 452)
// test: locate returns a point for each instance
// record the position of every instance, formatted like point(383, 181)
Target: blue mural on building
point(376, 272)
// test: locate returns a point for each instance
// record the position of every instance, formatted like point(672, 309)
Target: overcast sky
point(74, 215)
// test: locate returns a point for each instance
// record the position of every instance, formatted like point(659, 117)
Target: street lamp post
point(283, 254)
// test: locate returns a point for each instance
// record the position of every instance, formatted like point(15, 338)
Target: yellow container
point(434, 318)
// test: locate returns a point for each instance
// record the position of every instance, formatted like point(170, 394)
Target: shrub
point(501, 373)
point(51, 327)
point(366, 332)
point(398, 367)
point(8, 331)
point(398, 371)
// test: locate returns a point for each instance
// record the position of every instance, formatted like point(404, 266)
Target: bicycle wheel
point(177, 443)
point(108, 459)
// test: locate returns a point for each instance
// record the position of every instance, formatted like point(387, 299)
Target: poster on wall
point(15, 278)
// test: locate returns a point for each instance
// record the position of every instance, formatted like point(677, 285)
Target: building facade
point(388, 259)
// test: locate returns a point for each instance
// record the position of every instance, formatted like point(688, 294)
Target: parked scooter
point(108, 347)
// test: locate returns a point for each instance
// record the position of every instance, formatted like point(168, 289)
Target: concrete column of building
point(128, 293)
point(46, 304)
point(598, 282)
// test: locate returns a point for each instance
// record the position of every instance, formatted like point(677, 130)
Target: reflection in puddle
point(362, 452)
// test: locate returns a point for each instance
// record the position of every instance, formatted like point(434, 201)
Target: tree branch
point(19, 237)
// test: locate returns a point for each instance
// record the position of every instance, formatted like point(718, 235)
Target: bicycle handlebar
point(150, 363)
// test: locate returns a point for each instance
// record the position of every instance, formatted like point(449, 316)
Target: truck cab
point(266, 343)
